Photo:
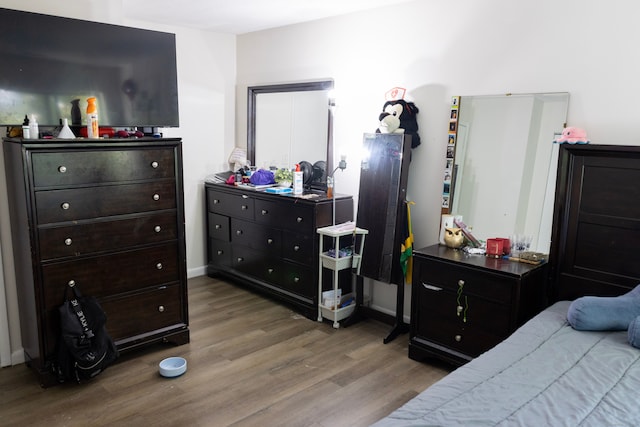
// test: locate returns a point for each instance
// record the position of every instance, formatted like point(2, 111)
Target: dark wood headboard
point(596, 224)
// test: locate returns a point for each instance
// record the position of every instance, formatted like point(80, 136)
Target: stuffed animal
point(399, 116)
point(573, 135)
point(608, 314)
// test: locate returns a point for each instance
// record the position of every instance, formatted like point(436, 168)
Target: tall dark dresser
point(107, 215)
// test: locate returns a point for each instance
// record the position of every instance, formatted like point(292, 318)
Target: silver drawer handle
point(244, 196)
point(296, 248)
point(154, 165)
point(270, 270)
point(296, 279)
point(216, 201)
point(458, 338)
point(218, 226)
point(71, 283)
point(68, 241)
point(65, 206)
point(245, 207)
point(161, 308)
point(62, 169)
point(264, 212)
point(299, 219)
point(240, 259)
point(431, 287)
point(269, 241)
point(156, 197)
point(460, 282)
point(220, 252)
point(157, 228)
point(238, 232)
point(159, 266)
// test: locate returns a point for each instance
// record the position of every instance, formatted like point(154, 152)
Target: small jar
point(330, 187)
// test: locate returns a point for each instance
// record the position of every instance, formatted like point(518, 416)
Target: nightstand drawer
point(475, 282)
point(441, 309)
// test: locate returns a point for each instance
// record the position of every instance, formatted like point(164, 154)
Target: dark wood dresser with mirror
point(269, 241)
point(109, 216)
point(462, 305)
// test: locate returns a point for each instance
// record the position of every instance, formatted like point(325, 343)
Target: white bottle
point(298, 177)
point(34, 130)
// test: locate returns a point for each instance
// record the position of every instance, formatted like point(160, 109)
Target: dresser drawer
point(234, 205)
point(86, 167)
point(131, 315)
point(154, 310)
point(218, 227)
point(256, 236)
point(219, 252)
point(104, 236)
point(101, 276)
point(289, 216)
point(298, 248)
point(95, 202)
point(486, 284)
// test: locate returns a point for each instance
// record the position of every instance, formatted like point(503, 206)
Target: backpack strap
point(75, 303)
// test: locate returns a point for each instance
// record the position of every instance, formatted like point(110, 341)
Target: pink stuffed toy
point(573, 135)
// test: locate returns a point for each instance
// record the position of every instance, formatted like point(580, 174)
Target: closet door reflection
point(381, 207)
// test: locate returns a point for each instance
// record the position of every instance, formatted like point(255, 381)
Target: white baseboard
point(195, 272)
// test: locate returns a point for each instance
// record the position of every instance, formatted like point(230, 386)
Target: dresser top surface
point(455, 256)
point(308, 196)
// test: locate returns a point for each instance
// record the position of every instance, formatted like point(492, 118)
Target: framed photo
point(452, 139)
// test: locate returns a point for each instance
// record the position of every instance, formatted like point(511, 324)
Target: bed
point(547, 373)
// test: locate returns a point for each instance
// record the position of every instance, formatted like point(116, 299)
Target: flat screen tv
point(48, 63)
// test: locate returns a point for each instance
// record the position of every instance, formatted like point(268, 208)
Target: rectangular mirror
point(289, 124)
point(505, 164)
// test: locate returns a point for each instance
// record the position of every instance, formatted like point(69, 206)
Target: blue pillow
point(633, 333)
point(605, 313)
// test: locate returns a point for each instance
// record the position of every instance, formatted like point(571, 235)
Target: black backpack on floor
point(85, 348)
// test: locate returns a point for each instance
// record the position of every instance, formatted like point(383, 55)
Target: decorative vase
point(453, 238)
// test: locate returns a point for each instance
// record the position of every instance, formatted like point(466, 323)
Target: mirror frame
point(254, 91)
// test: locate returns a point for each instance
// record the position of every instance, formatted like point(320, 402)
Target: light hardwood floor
point(251, 362)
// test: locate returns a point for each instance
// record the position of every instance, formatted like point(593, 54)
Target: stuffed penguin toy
point(399, 116)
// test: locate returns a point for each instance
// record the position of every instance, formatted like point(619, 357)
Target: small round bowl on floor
point(173, 367)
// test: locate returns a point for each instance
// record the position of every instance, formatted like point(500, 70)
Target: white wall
point(439, 48)
point(206, 88)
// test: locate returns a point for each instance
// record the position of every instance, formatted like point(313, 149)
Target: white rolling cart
point(333, 310)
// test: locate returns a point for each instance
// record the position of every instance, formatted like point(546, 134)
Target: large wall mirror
point(505, 164)
point(289, 124)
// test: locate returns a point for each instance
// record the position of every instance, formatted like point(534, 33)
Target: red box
point(495, 248)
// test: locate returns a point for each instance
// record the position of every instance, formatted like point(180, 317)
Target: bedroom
point(434, 49)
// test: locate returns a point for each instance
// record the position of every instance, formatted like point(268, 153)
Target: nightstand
point(462, 305)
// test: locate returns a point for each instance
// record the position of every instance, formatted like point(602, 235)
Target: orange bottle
point(92, 118)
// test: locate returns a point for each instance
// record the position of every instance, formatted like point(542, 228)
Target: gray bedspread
point(545, 374)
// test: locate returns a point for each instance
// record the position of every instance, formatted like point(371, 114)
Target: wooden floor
point(251, 362)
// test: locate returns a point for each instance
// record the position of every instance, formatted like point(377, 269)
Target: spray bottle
point(92, 118)
point(298, 177)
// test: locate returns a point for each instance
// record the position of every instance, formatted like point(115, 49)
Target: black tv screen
point(47, 63)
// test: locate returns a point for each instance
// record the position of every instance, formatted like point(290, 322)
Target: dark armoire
point(382, 210)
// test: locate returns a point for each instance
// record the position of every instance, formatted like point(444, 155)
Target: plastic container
point(298, 177)
point(34, 129)
point(93, 130)
point(65, 132)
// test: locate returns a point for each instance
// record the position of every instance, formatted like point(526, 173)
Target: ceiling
point(243, 16)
